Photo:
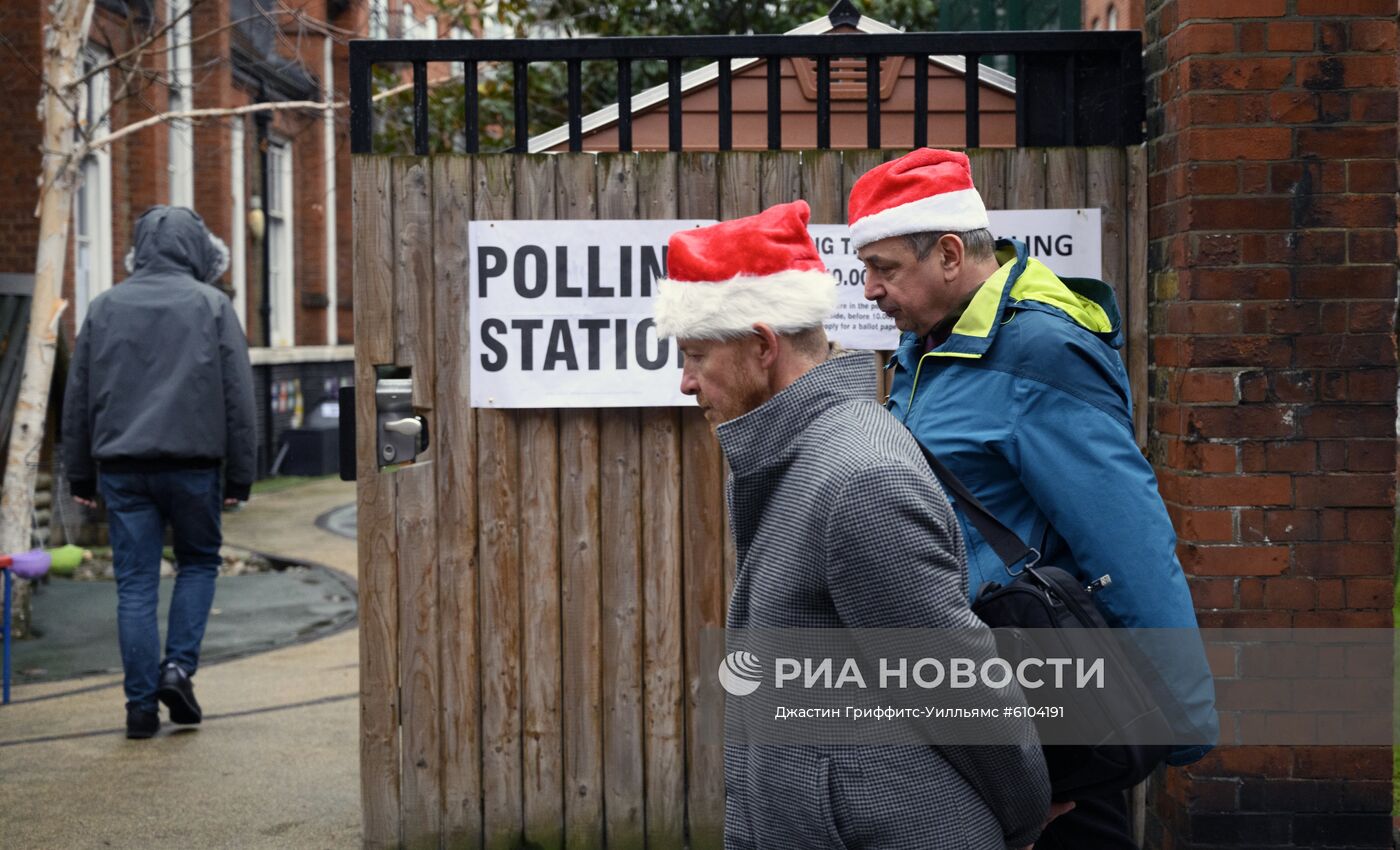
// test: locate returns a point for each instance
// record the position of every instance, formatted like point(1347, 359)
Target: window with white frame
point(378, 18)
point(432, 28)
point(1112, 17)
point(92, 208)
point(281, 277)
point(409, 25)
point(181, 131)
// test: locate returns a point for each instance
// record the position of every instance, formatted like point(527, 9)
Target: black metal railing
point(1072, 88)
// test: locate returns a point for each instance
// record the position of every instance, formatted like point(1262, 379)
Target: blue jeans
point(138, 507)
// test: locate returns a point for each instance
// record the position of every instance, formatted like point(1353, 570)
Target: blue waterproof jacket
point(1027, 402)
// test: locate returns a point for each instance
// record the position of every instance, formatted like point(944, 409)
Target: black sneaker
point(141, 724)
point(177, 692)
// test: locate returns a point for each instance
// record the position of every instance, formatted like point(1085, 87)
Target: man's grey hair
point(977, 244)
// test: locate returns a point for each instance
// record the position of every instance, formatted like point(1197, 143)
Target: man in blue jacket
point(1011, 377)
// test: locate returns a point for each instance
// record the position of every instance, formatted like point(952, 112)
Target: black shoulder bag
point(1044, 598)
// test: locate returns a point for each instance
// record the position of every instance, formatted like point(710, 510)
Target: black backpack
point(1048, 598)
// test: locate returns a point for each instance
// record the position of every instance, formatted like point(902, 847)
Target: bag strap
point(1008, 546)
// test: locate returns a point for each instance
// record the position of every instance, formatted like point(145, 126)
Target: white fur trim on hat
point(954, 212)
point(788, 302)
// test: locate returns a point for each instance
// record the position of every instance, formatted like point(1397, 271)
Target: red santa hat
point(724, 278)
point(926, 190)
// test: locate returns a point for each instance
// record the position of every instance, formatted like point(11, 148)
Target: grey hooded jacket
point(839, 523)
point(160, 378)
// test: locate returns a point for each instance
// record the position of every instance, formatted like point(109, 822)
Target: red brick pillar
point(1272, 148)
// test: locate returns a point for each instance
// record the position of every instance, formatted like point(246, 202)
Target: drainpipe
point(262, 119)
point(265, 309)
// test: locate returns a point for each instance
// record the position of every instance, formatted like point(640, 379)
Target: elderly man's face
point(726, 378)
point(913, 292)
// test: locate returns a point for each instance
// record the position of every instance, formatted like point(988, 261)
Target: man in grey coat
point(819, 474)
point(159, 397)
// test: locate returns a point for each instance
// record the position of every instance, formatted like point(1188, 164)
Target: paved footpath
point(274, 765)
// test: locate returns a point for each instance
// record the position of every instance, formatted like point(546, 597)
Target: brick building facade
point(232, 52)
point(223, 54)
point(1272, 152)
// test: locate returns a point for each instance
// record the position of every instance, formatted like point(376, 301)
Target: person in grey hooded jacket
point(159, 397)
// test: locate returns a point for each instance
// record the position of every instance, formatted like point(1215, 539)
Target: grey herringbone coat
point(838, 523)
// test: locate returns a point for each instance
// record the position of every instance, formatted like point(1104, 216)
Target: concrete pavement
point(275, 763)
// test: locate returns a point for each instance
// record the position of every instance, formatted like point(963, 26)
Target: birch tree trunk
point(64, 37)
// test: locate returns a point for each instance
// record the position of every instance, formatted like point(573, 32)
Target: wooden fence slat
point(620, 444)
point(621, 504)
point(1025, 179)
point(413, 232)
point(664, 726)
point(821, 186)
point(542, 726)
point(739, 184)
point(415, 516)
point(657, 196)
point(989, 168)
point(454, 433)
point(1138, 292)
point(580, 506)
point(855, 163)
point(663, 656)
point(372, 200)
point(617, 185)
point(703, 549)
point(703, 537)
point(419, 652)
point(1064, 178)
point(1106, 171)
point(583, 665)
point(499, 544)
point(577, 193)
point(780, 178)
point(542, 657)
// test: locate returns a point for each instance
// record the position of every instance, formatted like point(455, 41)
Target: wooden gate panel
point(534, 588)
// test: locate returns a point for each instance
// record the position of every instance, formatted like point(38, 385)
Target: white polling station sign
point(562, 314)
point(562, 310)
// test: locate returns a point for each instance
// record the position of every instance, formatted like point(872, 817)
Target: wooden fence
point(532, 590)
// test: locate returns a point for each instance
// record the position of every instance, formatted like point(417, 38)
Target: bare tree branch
point(150, 39)
point(232, 111)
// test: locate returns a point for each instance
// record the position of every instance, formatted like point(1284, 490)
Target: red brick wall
point(140, 177)
point(19, 143)
point(1272, 151)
